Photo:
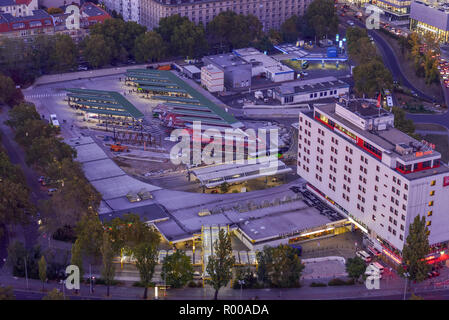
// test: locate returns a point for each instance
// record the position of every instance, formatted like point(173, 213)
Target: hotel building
point(396, 9)
point(271, 13)
point(377, 176)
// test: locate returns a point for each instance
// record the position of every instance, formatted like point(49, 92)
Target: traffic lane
point(390, 60)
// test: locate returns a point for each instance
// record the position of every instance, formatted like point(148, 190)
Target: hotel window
point(432, 193)
point(432, 183)
point(428, 223)
point(429, 214)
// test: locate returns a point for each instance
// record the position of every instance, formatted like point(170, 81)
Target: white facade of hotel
point(370, 190)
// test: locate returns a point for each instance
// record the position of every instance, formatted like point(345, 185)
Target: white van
point(364, 255)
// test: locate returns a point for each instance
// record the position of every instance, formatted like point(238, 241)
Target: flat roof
point(227, 60)
point(386, 140)
point(149, 213)
point(293, 52)
point(117, 97)
point(312, 85)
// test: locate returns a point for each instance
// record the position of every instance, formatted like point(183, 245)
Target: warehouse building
point(265, 66)
point(301, 91)
point(237, 72)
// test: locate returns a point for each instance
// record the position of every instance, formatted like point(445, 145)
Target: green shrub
point(140, 284)
point(341, 282)
point(102, 281)
point(318, 284)
point(192, 284)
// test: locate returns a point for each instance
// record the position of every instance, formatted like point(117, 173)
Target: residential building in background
point(39, 22)
point(380, 178)
point(271, 13)
point(430, 18)
point(394, 9)
point(18, 8)
point(129, 9)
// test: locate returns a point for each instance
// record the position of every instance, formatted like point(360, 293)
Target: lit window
point(428, 223)
point(430, 203)
point(429, 213)
point(432, 193)
point(433, 183)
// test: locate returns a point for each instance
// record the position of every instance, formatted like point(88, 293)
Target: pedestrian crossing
point(45, 95)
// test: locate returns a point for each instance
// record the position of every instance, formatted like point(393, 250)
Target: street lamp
point(406, 275)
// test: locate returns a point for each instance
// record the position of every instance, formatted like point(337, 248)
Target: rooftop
point(311, 85)
point(227, 60)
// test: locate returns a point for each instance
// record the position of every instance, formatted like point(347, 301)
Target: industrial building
point(271, 13)
point(301, 91)
point(107, 107)
point(430, 18)
point(182, 105)
point(212, 78)
point(265, 66)
point(298, 53)
point(237, 72)
point(377, 176)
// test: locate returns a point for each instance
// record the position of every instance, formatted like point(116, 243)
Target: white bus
point(54, 120)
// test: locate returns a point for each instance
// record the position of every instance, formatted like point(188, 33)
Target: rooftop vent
point(403, 148)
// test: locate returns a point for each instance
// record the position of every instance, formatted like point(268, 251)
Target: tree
point(108, 269)
point(355, 267)
point(7, 293)
point(372, 77)
point(53, 10)
point(21, 113)
point(219, 266)
point(149, 47)
point(43, 271)
point(97, 51)
point(415, 250)
point(146, 259)
point(64, 54)
point(77, 257)
point(401, 122)
point(280, 266)
point(322, 18)
point(177, 269)
point(188, 40)
point(290, 29)
point(54, 294)
point(8, 93)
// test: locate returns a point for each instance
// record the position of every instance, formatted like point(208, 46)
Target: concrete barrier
point(330, 258)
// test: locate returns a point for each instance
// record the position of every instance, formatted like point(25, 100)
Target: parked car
point(51, 191)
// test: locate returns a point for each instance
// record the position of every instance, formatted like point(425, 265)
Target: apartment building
point(271, 13)
point(40, 22)
point(129, 9)
point(380, 178)
point(18, 8)
point(212, 78)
